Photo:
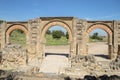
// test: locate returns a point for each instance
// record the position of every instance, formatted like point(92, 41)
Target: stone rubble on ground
point(87, 65)
point(13, 56)
point(115, 64)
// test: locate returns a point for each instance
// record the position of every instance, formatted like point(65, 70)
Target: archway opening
point(57, 41)
point(98, 44)
point(17, 36)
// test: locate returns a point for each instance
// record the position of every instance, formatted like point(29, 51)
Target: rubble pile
point(13, 56)
point(85, 62)
point(115, 64)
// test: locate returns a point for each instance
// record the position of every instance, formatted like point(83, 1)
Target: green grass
point(51, 41)
point(20, 38)
point(105, 39)
point(17, 38)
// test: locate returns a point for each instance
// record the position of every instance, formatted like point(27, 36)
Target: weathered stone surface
point(13, 56)
point(78, 30)
point(80, 61)
point(115, 64)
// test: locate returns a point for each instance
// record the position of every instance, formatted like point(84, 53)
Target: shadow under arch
point(13, 27)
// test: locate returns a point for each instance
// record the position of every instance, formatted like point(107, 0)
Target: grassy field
point(105, 39)
point(17, 38)
point(20, 38)
point(50, 41)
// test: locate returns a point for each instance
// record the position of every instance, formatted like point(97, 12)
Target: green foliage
point(51, 41)
point(67, 36)
point(20, 31)
point(18, 37)
point(95, 37)
point(57, 34)
point(62, 33)
point(48, 32)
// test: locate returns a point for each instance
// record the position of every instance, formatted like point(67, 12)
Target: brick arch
point(101, 26)
point(15, 27)
point(56, 23)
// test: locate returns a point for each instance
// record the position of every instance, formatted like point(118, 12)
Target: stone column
point(3, 35)
point(110, 51)
point(72, 49)
point(110, 46)
point(115, 38)
point(73, 43)
point(85, 37)
point(7, 39)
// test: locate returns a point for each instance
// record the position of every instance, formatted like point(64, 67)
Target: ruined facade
point(78, 30)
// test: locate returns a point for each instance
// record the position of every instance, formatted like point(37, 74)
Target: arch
point(101, 26)
point(14, 27)
point(108, 30)
point(56, 23)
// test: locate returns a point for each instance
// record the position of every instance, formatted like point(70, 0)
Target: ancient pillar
point(3, 35)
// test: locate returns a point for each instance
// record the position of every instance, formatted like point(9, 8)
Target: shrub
point(56, 34)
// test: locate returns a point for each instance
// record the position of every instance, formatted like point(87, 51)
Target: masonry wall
point(116, 36)
point(77, 28)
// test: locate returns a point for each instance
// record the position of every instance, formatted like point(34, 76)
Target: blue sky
point(100, 31)
point(86, 9)
point(19, 10)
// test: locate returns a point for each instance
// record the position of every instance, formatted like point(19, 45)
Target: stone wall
point(78, 30)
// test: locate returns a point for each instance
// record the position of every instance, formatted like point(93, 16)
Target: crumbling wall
point(13, 56)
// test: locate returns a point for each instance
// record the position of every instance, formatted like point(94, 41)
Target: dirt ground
point(57, 49)
point(96, 48)
point(53, 63)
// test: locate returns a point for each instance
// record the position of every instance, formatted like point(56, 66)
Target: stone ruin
point(87, 65)
point(13, 56)
point(115, 64)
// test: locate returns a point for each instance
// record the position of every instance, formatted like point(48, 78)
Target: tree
point(19, 31)
point(67, 36)
point(96, 36)
point(48, 32)
point(56, 34)
point(62, 33)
